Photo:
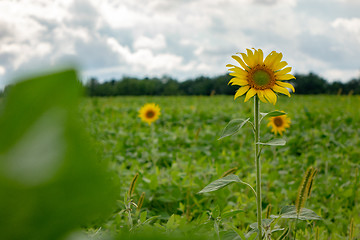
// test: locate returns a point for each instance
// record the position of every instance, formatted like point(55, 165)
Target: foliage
point(54, 179)
point(183, 155)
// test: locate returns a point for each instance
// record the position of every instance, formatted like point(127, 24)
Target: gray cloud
point(83, 13)
point(181, 38)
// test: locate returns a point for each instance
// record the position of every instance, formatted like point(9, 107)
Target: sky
point(183, 39)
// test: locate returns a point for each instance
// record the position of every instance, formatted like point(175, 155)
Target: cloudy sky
point(180, 38)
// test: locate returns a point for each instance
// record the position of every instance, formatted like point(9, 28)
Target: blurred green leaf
point(143, 216)
point(231, 235)
point(171, 224)
point(216, 212)
point(50, 178)
point(230, 213)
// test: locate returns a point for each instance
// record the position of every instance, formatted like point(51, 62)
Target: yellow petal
point(250, 94)
point(269, 58)
point(285, 77)
point(246, 59)
point(281, 90)
point(236, 74)
point(270, 96)
point(275, 60)
point(238, 70)
point(238, 81)
point(251, 57)
point(279, 65)
point(260, 93)
point(240, 61)
point(287, 85)
point(258, 56)
point(261, 56)
point(283, 71)
point(241, 91)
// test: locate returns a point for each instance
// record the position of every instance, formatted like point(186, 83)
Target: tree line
point(304, 84)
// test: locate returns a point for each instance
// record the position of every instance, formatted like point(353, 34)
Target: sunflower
point(259, 76)
point(149, 113)
point(279, 123)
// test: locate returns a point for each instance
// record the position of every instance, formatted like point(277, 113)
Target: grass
point(182, 155)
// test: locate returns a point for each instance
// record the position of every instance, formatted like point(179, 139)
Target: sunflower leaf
point(221, 183)
point(274, 142)
point(233, 127)
point(290, 212)
point(272, 114)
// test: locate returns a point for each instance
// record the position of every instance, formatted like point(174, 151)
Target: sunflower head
point(279, 123)
point(260, 76)
point(149, 113)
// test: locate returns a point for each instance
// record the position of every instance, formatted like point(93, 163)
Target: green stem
point(257, 163)
point(296, 227)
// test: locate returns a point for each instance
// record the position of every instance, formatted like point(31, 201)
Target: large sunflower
point(259, 76)
point(149, 113)
point(279, 124)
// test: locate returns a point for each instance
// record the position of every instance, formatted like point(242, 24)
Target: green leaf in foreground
point(233, 127)
point(51, 181)
point(274, 142)
point(290, 212)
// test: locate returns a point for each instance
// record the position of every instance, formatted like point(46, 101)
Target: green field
point(179, 155)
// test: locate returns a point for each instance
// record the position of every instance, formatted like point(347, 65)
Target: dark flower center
point(278, 121)
point(150, 114)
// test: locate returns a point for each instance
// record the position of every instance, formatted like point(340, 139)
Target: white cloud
point(120, 16)
point(145, 60)
point(351, 25)
point(2, 70)
point(158, 42)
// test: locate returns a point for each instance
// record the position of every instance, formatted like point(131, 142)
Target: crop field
point(179, 154)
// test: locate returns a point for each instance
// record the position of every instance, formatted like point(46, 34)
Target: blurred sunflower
point(259, 76)
point(279, 124)
point(149, 113)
